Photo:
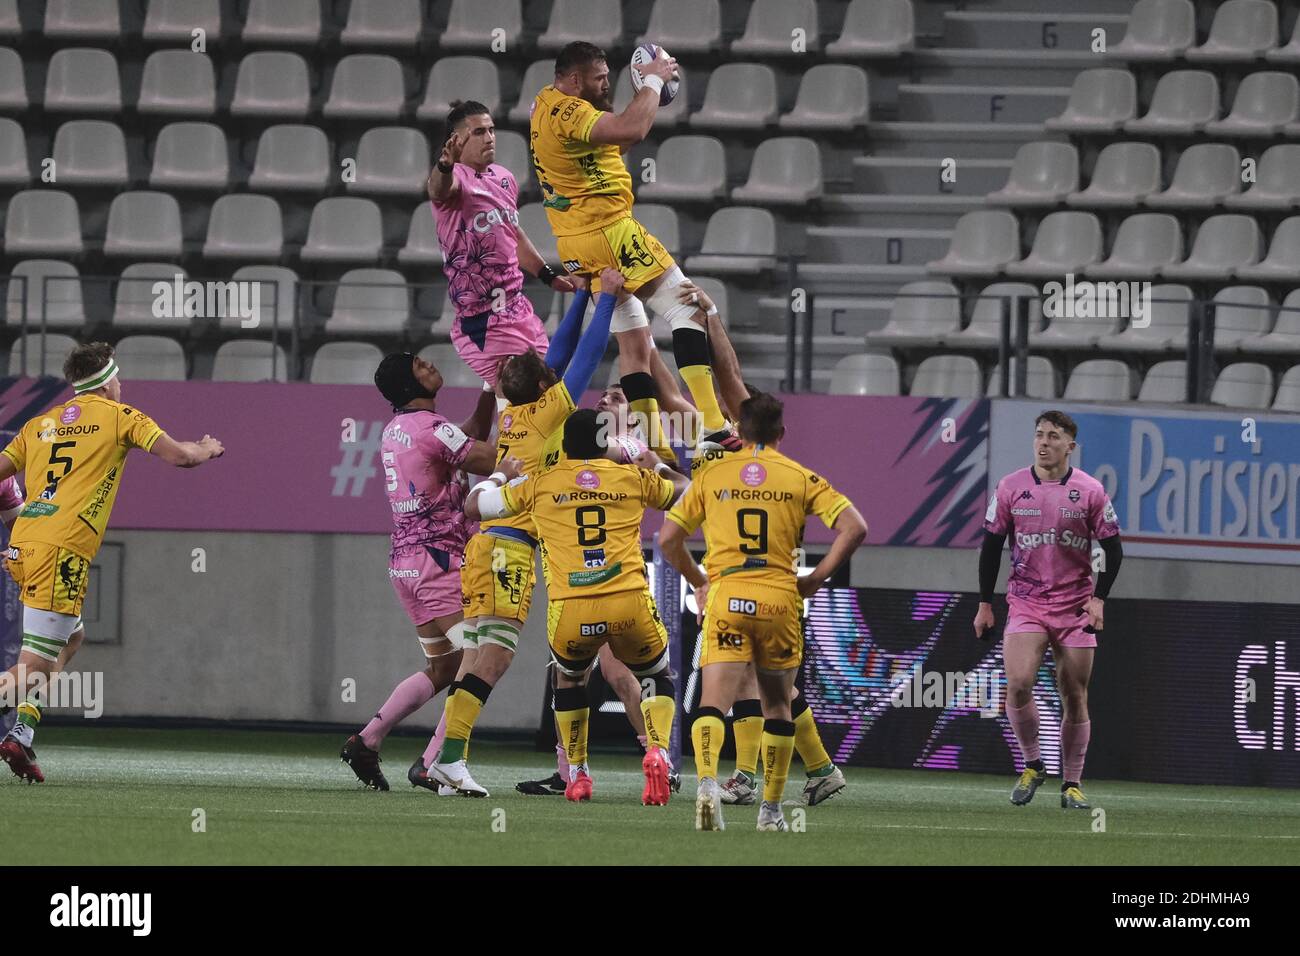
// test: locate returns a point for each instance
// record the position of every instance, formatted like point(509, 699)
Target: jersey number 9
point(751, 523)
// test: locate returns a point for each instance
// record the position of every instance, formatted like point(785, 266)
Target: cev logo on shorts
point(753, 474)
point(588, 479)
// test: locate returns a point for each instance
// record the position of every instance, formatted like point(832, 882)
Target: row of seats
point(1243, 31)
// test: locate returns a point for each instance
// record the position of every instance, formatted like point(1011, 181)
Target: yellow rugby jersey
point(588, 517)
point(584, 185)
point(752, 504)
point(71, 459)
point(525, 431)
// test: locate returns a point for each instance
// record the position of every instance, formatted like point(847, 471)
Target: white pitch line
point(1053, 833)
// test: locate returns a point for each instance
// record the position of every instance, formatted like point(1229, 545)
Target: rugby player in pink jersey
point(425, 458)
point(1052, 512)
point(485, 253)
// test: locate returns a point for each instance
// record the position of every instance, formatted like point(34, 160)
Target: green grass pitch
point(128, 796)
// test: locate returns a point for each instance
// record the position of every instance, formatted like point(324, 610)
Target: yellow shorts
point(627, 621)
point(623, 245)
point(49, 578)
point(496, 578)
point(748, 620)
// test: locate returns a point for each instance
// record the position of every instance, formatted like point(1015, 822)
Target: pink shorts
point(1062, 626)
point(424, 589)
point(484, 340)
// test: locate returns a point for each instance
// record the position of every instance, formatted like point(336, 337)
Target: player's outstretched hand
point(1096, 614)
point(213, 447)
point(665, 69)
point(611, 281)
point(451, 149)
point(688, 293)
point(511, 467)
point(984, 620)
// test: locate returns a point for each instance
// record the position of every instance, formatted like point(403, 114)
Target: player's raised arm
point(726, 365)
point(648, 460)
point(633, 124)
point(186, 454)
point(486, 500)
point(479, 424)
point(442, 186)
point(850, 531)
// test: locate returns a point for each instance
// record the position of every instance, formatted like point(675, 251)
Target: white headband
point(98, 380)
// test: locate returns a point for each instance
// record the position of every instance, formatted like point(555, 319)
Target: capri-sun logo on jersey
point(1066, 539)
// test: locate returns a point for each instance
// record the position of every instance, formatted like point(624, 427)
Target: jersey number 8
point(590, 533)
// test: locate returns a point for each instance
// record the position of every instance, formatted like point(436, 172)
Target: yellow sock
point(778, 748)
point(462, 711)
point(657, 712)
point(707, 734)
point(807, 740)
point(699, 379)
point(749, 734)
point(573, 734)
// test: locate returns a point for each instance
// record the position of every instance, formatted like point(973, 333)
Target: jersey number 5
point(390, 472)
point(57, 459)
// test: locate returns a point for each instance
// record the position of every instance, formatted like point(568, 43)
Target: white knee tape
point(664, 302)
point(500, 632)
point(628, 315)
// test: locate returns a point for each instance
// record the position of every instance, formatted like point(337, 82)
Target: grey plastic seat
point(1101, 380)
point(1288, 55)
point(1243, 385)
point(738, 240)
point(512, 153)
point(134, 298)
point(1241, 312)
point(948, 376)
point(1265, 103)
point(983, 242)
point(43, 222)
point(1158, 31)
point(190, 156)
point(90, 153)
point(344, 229)
point(662, 223)
point(666, 117)
point(422, 246)
point(1124, 175)
point(1223, 243)
point(13, 84)
point(1285, 336)
point(82, 20)
point(535, 225)
point(1163, 330)
point(1041, 381)
point(1065, 242)
point(594, 21)
point(82, 81)
point(1282, 263)
point(739, 96)
point(245, 226)
point(685, 26)
point(1184, 101)
point(1242, 31)
point(688, 168)
point(366, 86)
point(51, 290)
point(10, 25)
point(875, 28)
point(14, 168)
point(143, 224)
point(345, 363)
point(1101, 101)
point(1288, 391)
point(392, 161)
point(250, 360)
point(771, 26)
point(924, 313)
point(272, 84)
point(831, 96)
point(471, 24)
point(283, 23)
point(370, 302)
point(56, 349)
point(871, 373)
point(172, 21)
point(150, 358)
point(1207, 173)
point(292, 158)
point(1145, 243)
point(1042, 174)
point(1076, 332)
point(1165, 382)
point(786, 171)
point(455, 373)
point(395, 24)
point(178, 83)
point(277, 289)
point(539, 75)
point(985, 328)
point(1277, 181)
point(460, 78)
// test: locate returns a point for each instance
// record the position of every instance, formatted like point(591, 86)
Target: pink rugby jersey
point(11, 495)
point(422, 453)
point(479, 246)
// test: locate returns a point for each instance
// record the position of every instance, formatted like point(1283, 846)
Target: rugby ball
point(643, 55)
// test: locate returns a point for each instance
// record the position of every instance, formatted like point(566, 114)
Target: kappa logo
point(1026, 496)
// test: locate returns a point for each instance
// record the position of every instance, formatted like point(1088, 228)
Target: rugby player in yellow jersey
point(71, 458)
point(752, 506)
point(587, 511)
point(576, 142)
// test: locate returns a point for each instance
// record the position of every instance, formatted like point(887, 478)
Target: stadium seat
point(661, 222)
point(1065, 242)
point(250, 360)
point(1223, 243)
point(595, 21)
point(292, 158)
point(689, 169)
point(134, 298)
point(512, 153)
point(173, 21)
point(1285, 337)
point(150, 358)
point(1158, 31)
point(370, 302)
point(1282, 264)
point(455, 373)
point(344, 229)
point(366, 86)
point(1124, 174)
point(1242, 31)
point(392, 161)
point(1243, 385)
point(282, 23)
point(875, 28)
point(1040, 379)
point(738, 240)
point(1164, 330)
point(684, 26)
point(245, 226)
point(277, 292)
point(666, 117)
point(787, 170)
point(948, 376)
point(985, 328)
point(1241, 312)
point(1288, 391)
point(1165, 382)
point(1184, 101)
point(771, 29)
point(1277, 182)
point(394, 24)
point(13, 84)
point(739, 96)
point(1073, 333)
point(533, 221)
point(50, 287)
point(82, 20)
point(43, 222)
point(831, 96)
point(178, 83)
point(56, 348)
point(1144, 244)
point(345, 363)
point(983, 242)
point(90, 153)
point(871, 373)
point(272, 84)
point(10, 25)
point(1101, 101)
point(539, 75)
point(1288, 55)
point(460, 78)
point(82, 81)
point(1042, 174)
point(1101, 380)
point(422, 246)
point(1207, 173)
point(14, 168)
point(143, 224)
point(190, 156)
point(1265, 103)
point(924, 313)
point(472, 24)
